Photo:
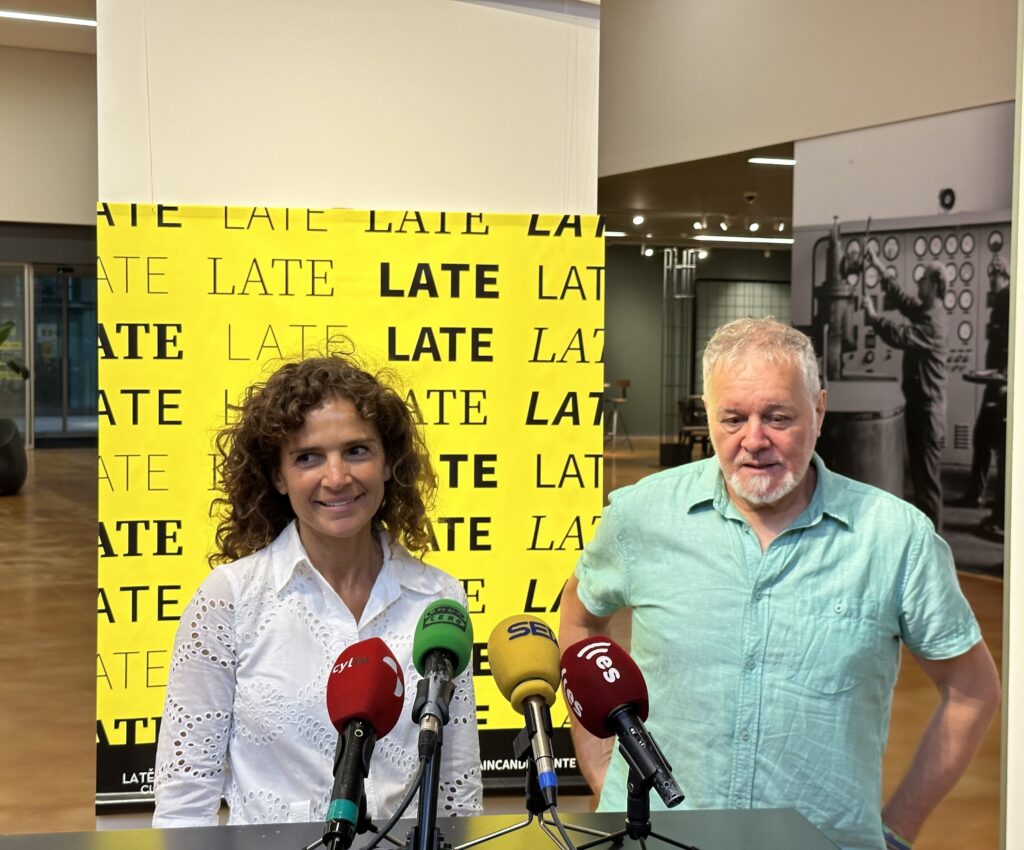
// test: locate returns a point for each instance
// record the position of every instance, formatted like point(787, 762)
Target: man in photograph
point(920, 333)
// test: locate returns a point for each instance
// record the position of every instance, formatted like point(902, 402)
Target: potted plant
point(13, 463)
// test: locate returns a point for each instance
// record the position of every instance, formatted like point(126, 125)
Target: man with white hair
point(769, 599)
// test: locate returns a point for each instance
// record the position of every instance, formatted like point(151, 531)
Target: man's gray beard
point(765, 491)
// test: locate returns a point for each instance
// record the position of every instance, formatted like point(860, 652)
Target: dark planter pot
point(13, 463)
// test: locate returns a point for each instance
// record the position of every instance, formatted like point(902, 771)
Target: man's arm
point(969, 694)
point(903, 301)
point(576, 623)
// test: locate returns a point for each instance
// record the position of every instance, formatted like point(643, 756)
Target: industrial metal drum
point(863, 436)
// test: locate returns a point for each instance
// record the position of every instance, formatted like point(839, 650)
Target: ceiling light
point(753, 227)
point(648, 236)
point(638, 220)
point(702, 255)
point(760, 240)
point(614, 233)
point(698, 225)
point(780, 226)
point(771, 160)
point(648, 252)
point(724, 224)
point(46, 19)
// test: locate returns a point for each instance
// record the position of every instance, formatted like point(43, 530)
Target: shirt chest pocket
point(831, 643)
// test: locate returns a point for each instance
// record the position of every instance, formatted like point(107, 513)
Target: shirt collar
point(827, 499)
point(400, 569)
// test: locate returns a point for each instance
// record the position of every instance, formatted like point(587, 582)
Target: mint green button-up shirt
point(771, 673)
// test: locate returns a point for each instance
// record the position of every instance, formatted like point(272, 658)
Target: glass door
point(64, 354)
point(14, 389)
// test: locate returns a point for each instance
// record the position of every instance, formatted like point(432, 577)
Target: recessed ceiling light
point(702, 255)
point(754, 227)
point(648, 236)
point(771, 160)
point(698, 225)
point(724, 224)
point(46, 19)
point(780, 226)
point(648, 252)
point(638, 220)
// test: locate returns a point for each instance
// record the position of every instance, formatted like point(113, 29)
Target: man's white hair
point(766, 339)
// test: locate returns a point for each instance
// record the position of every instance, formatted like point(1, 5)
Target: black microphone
point(441, 649)
point(523, 654)
point(365, 694)
point(607, 693)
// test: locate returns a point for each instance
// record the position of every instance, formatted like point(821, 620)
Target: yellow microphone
point(524, 659)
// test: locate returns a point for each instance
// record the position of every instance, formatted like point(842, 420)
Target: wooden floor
point(48, 644)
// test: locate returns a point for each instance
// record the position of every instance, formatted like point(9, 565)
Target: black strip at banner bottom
point(124, 772)
point(501, 771)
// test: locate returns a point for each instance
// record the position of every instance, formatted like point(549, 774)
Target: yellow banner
point(494, 325)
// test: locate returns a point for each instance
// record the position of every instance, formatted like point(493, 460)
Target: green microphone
point(441, 649)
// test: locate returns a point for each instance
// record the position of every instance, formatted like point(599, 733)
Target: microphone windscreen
point(523, 654)
point(598, 676)
point(366, 683)
point(444, 625)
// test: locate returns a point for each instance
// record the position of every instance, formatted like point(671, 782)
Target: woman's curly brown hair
point(252, 512)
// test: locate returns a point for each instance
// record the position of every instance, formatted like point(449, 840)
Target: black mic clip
point(437, 701)
point(647, 764)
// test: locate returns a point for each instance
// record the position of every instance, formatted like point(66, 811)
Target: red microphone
point(365, 695)
point(607, 693)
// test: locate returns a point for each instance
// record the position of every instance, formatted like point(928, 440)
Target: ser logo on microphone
point(525, 628)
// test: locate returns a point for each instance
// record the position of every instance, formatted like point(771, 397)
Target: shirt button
point(751, 664)
point(745, 735)
point(759, 596)
point(838, 607)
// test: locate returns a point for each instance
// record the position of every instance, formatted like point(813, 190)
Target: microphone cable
point(406, 802)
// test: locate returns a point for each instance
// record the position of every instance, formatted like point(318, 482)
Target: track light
point(723, 225)
point(760, 240)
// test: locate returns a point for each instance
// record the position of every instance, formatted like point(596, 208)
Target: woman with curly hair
point(326, 484)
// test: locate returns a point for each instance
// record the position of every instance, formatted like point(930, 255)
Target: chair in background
point(618, 421)
point(693, 429)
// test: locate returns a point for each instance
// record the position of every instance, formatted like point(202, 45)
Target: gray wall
point(633, 317)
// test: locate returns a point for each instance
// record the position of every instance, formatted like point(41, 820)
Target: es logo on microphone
point(570, 697)
point(525, 628)
point(598, 653)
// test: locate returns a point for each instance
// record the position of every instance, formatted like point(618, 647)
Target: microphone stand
point(365, 825)
point(426, 835)
point(638, 818)
point(536, 805)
